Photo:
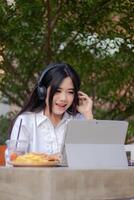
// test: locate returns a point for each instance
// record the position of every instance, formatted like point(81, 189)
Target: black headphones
point(41, 89)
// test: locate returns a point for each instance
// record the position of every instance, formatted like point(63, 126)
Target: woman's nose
point(63, 96)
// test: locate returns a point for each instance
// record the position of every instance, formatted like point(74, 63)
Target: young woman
point(55, 100)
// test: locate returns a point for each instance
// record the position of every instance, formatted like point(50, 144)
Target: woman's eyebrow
point(67, 89)
point(71, 89)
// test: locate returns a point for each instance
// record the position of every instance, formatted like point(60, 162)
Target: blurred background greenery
point(94, 36)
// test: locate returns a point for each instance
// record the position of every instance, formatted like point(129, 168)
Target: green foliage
point(130, 133)
point(4, 124)
point(131, 129)
point(34, 33)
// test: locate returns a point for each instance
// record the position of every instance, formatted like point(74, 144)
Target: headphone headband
point(44, 72)
point(41, 90)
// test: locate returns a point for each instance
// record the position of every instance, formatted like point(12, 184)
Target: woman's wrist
point(88, 115)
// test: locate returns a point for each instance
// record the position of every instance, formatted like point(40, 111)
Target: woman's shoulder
point(25, 117)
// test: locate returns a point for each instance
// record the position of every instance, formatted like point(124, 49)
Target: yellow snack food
point(36, 159)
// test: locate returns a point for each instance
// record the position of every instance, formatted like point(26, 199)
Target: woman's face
point(63, 98)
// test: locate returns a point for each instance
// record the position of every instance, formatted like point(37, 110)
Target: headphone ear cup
point(41, 92)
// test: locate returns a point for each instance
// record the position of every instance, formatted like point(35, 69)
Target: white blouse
point(40, 133)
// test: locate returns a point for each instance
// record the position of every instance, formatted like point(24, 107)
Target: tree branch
point(51, 23)
point(57, 15)
point(48, 42)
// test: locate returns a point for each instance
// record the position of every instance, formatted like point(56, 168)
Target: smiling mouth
point(61, 106)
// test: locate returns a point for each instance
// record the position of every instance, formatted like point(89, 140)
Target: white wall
point(4, 108)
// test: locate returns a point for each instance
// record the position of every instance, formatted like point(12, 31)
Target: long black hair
point(52, 76)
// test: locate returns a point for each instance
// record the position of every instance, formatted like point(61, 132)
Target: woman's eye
point(58, 91)
point(71, 92)
point(67, 92)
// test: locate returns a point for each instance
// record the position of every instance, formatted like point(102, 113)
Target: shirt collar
point(66, 116)
point(40, 117)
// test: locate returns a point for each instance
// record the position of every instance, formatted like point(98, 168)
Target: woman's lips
point(61, 106)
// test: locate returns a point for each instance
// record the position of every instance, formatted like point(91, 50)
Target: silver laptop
point(96, 144)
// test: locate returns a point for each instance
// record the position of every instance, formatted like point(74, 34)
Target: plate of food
point(36, 160)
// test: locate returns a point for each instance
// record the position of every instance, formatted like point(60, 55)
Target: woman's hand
point(85, 105)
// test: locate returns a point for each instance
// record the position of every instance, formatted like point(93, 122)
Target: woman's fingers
point(82, 96)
